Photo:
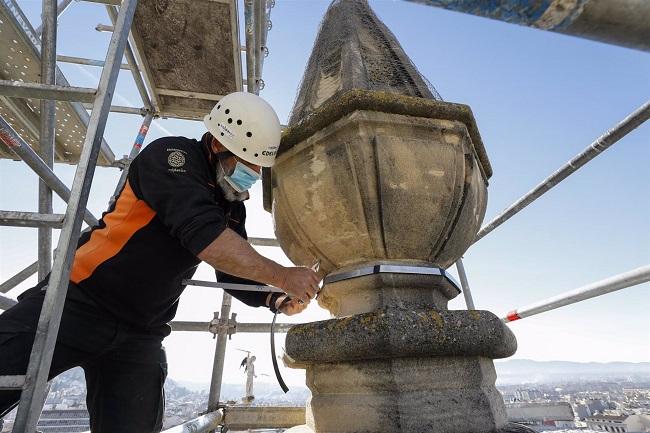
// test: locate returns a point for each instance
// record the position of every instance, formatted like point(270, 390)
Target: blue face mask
point(242, 178)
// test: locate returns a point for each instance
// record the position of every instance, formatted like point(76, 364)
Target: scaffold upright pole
point(33, 393)
point(47, 131)
point(219, 355)
point(60, 8)
point(601, 144)
point(249, 30)
point(260, 25)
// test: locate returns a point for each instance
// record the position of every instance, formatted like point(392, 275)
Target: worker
point(182, 204)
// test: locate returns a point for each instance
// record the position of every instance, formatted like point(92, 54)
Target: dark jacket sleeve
point(172, 176)
point(252, 299)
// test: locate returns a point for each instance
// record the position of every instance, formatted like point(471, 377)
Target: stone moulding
point(399, 333)
point(386, 102)
point(365, 100)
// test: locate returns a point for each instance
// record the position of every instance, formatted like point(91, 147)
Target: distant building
point(558, 414)
point(619, 423)
point(595, 405)
point(509, 396)
point(582, 411)
point(528, 394)
point(64, 421)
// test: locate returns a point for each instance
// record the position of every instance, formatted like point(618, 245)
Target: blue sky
point(539, 98)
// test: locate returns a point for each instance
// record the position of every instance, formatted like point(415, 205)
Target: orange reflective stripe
point(129, 216)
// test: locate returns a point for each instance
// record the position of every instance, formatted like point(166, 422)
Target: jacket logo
point(176, 159)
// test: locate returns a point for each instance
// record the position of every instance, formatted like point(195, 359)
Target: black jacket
point(169, 210)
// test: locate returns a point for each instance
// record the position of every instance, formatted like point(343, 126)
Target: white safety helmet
point(247, 126)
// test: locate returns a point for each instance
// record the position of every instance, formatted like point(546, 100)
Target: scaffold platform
point(20, 60)
point(189, 53)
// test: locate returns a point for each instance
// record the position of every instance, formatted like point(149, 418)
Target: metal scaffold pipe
point(618, 22)
point(264, 242)
point(232, 286)
point(19, 277)
point(602, 287)
point(469, 301)
point(601, 144)
point(238, 328)
point(11, 382)
point(6, 303)
point(249, 30)
point(47, 131)
point(60, 8)
point(259, 22)
point(122, 109)
point(202, 424)
point(86, 62)
point(30, 219)
point(27, 154)
point(20, 89)
point(219, 355)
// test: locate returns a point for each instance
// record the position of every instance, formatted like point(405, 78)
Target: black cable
point(278, 376)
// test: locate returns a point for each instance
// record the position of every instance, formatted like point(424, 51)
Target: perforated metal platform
point(189, 52)
point(20, 60)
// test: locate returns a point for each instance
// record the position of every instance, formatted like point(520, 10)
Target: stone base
point(442, 395)
point(403, 370)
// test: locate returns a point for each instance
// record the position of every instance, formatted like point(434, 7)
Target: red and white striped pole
point(617, 282)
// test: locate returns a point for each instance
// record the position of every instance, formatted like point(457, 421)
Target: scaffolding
point(60, 129)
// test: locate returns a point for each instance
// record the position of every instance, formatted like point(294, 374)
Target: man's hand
point(300, 283)
point(231, 254)
point(291, 307)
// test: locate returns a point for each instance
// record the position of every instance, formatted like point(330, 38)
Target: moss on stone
point(337, 107)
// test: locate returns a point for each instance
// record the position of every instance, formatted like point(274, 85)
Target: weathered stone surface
point(376, 186)
point(442, 395)
point(354, 49)
point(372, 292)
point(385, 102)
point(398, 333)
point(367, 172)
